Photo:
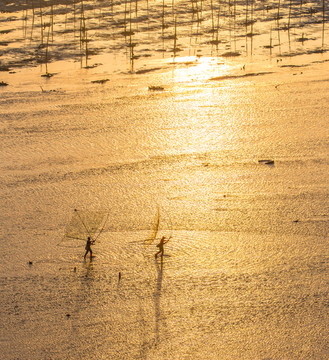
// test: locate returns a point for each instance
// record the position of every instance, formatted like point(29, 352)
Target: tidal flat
point(202, 121)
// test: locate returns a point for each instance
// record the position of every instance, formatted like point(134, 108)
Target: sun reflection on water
point(195, 68)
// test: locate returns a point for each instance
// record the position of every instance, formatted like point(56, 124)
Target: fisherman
point(160, 246)
point(88, 248)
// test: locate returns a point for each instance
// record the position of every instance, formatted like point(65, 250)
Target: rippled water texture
point(233, 151)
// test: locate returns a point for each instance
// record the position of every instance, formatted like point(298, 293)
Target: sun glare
point(194, 68)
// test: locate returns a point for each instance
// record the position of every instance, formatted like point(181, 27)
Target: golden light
point(195, 68)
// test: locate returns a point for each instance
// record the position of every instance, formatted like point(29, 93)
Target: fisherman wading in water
point(88, 248)
point(160, 246)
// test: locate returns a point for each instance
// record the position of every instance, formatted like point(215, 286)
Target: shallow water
point(245, 275)
point(247, 267)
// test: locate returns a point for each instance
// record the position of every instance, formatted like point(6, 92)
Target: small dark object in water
point(68, 315)
point(127, 33)
point(296, 221)
point(30, 262)
point(231, 54)
point(156, 88)
point(75, 269)
point(266, 162)
point(2, 83)
point(92, 66)
point(100, 81)
point(48, 75)
point(119, 276)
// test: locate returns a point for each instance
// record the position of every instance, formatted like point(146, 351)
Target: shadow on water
point(157, 298)
point(89, 265)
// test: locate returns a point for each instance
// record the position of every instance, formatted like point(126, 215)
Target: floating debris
point(156, 88)
point(266, 162)
point(231, 54)
point(2, 83)
point(48, 75)
point(103, 81)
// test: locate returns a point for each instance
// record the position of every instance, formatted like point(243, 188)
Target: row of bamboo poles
point(228, 16)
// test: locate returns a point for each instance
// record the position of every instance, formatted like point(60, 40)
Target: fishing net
point(154, 230)
point(84, 224)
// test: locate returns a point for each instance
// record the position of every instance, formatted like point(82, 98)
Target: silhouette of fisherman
point(88, 247)
point(160, 246)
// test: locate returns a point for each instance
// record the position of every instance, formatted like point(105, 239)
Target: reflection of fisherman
point(160, 246)
point(88, 248)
